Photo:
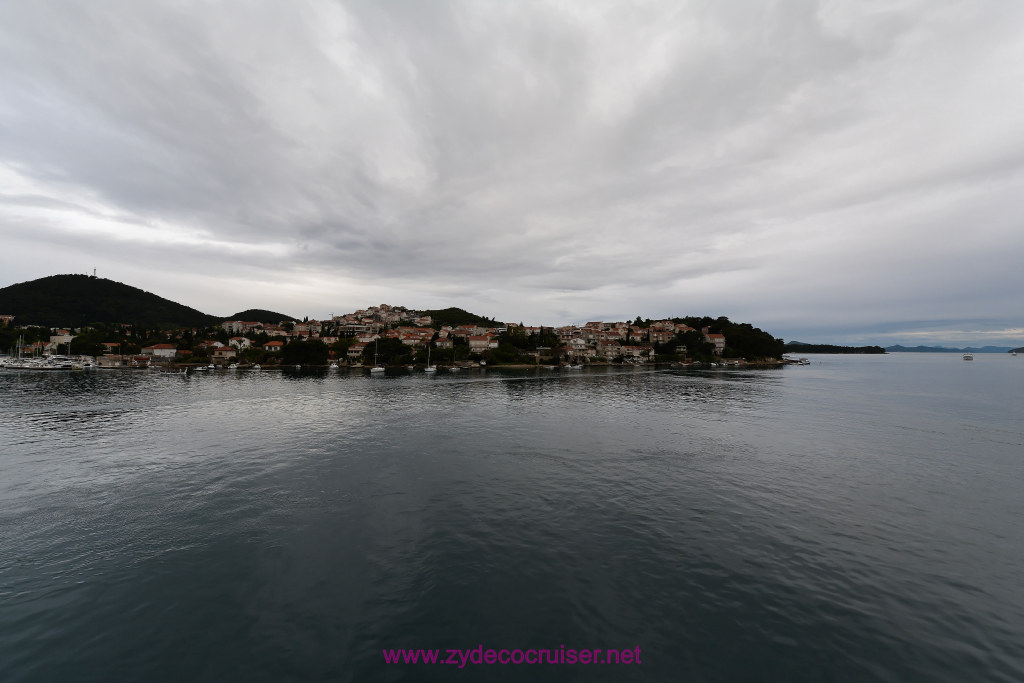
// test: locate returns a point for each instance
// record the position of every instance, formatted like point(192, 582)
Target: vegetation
point(800, 347)
point(456, 317)
point(79, 300)
point(743, 339)
point(312, 352)
point(389, 352)
point(261, 316)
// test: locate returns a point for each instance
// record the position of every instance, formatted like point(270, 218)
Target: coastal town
point(382, 336)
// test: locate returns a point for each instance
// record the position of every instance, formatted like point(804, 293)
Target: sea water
point(860, 518)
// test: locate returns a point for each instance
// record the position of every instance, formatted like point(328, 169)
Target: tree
point(305, 353)
point(389, 351)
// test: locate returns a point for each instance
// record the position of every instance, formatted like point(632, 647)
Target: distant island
point(802, 347)
point(945, 349)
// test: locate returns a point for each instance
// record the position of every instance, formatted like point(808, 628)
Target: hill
point(456, 317)
point(77, 300)
point(261, 316)
point(946, 349)
point(742, 339)
point(803, 347)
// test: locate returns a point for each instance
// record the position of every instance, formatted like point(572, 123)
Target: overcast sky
point(848, 171)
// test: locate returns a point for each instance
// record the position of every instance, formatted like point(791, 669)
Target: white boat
point(233, 366)
point(968, 356)
point(255, 367)
point(429, 368)
point(334, 366)
point(376, 369)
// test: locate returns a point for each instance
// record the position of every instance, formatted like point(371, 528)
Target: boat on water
point(429, 368)
point(968, 356)
point(377, 367)
point(45, 363)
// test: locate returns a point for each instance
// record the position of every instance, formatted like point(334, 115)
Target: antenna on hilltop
point(94, 272)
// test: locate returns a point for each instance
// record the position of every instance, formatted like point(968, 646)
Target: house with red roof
point(166, 351)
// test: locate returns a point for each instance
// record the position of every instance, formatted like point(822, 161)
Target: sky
point(831, 171)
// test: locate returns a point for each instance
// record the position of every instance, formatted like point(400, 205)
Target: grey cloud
point(612, 156)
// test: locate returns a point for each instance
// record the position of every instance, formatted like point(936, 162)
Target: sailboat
point(429, 368)
point(376, 368)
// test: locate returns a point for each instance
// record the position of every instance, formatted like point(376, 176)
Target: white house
point(167, 351)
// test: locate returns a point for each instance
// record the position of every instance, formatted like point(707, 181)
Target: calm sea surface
point(857, 519)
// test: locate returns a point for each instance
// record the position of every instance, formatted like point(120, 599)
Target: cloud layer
point(806, 166)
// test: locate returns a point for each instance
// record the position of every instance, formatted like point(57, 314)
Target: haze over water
point(856, 519)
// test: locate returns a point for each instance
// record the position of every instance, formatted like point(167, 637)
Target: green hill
point(803, 347)
point(457, 316)
point(261, 316)
point(77, 300)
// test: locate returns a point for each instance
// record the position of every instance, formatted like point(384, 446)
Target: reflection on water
point(855, 519)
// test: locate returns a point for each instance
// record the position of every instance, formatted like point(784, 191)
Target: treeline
point(456, 316)
point(831, 348)
point(260, 315)
point(742, 340)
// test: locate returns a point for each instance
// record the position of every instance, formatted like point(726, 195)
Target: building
point(165, 351)
point(239, 326)
point(717, 339)
point(481, 343)
point(110, 360)
point(59, 340)
point(225, 353)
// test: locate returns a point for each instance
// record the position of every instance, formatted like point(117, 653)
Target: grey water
point(860, 518)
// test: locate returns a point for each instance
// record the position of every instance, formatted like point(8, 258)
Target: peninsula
point(124, 326)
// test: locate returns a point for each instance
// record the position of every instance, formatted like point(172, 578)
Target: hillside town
point(386, 335)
